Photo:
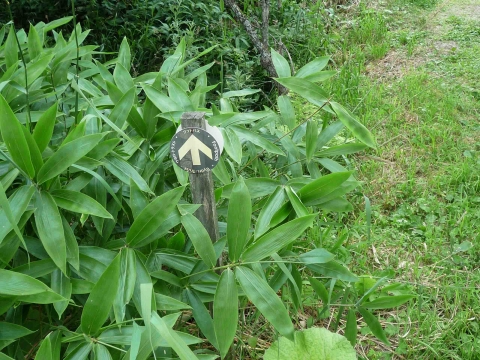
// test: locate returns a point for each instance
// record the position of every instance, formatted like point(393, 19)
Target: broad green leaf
point(316, 256)
point(113, 92)
point(138, 201)
point(297, 204)
point(322, 187)
point(67, 155)
point(387, 302)
point(125, 172)
point(174, 61)
point(34, 43)
point(202, 316)
point(71, 244)
point(374, 325)
point(238, 219)
point(321, 75)
point(102, 181)
point(38, 268)
point(310, 344)
point(122, 77)
point(11, 48)
point(16, 284)
point(102, 149)
point(124, 55)
point(296, 294)
point(122, 108)
point(200, 239)
point(146, 293)
point(135, 343)
point(80, 203)
point(137, 122)
point(11, 210)
point(328, 133)
point(237, 118)
point(101, 352)
point(247, 135)
point(462, 247)
point(273, 204)
point(181, 98)
point(34, 69)
point(351, 327)
point(314, 66)
point(357, 129)
point(319, 289)
point(9, 178)
point(225, 311)
point(81, 286)
point(236, 93)
point(338, 150)
point(160, 100)
point(221, 173)
point(56, 23)
point(311, 139)
point(9, 331)
point(151, 218)
point(35, 153)
point(143, 277)
point(44, 127)
point(281, 64)
point(14, 138)
point(76, 132)
point(61, 285)
point(101, 115)
point(100, 301)
point(333, 269)
point(277, 239)
point(287, 111)
point(45, 350)
point(306, 89)
point(168, 303)
point(80, 352)
point(337, 205)
point(266, 300)
point(128, 275)
point(258, 187)
point(50, 228)
point(197, 72)
point(233, 147)
point(172, 338)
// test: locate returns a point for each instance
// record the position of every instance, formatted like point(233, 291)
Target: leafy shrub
point(99, 250)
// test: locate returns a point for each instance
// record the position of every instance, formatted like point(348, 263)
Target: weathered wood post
point(201, 183)
point(196, 149)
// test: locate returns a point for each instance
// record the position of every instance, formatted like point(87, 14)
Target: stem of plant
point(28, 119)
point(78, 55)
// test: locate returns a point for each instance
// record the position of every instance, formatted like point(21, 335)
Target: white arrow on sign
point(194, 145)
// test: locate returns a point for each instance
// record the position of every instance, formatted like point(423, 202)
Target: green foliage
point(97, 225)
point(312, 344)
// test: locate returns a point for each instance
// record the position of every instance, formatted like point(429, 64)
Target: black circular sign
point(195, 150)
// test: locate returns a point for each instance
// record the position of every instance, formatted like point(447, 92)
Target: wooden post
point(201, 184)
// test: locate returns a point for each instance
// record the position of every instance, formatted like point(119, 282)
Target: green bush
point(99, 250)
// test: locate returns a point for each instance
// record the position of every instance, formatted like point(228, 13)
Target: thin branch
point(265, 21)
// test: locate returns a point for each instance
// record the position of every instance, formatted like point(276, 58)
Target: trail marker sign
point(195, 150)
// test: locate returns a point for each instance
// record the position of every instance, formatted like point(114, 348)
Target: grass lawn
point(413, 75)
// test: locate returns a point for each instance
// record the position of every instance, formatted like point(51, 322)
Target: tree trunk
point(261, 45)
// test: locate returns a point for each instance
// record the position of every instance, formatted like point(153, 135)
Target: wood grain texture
point(201, 184)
